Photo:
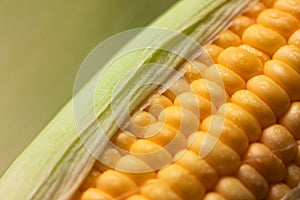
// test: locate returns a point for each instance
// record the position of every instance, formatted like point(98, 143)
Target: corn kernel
point(211, 91)
point(290, 120)
point(290, 55)
point(253, 181)
point(137, 197)
point(198, 167)
point(116, 184)
point(292, 178)
point(255, 106)
point(213, 51)
point(183, 183)
point(229, 133)
point(284, 76)
point(225, 188)
point(224, 163)
point(135, 169)
point(263, 57)
point(139, 121)
point(286, 148)
point(281, 22)
point(265, 162)
point(193, 71)
point(271, 93)
point(295, 39)
point(239, 24)
point(157, 104)
point(95, 194)
point(263, 39)
point(124, 140)
point(254, 10)
point(213, 196)
point(277, 191)
point(158, 190)
point(241, 61)
point(167, 136)
point(228, 39)
point(268, 3)
point(243, 119)
point(198, 105)
point(231, 80)
point(181, 119)
point(289, 6)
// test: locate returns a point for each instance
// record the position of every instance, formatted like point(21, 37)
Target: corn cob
point(255, 124)
point(258, 58)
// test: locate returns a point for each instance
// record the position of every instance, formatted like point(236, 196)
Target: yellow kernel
point(180, 86)
point(116, 184)
point(284, 76)
point(263, 38)
point(289, 6)
point(265, 162)
point(157, 104)
point(279, 140)
point(183, 183)
point(278, 191)
point(281, 22)
point(243, 119)
point(231, 80)
point(139, 121)
point(137, 197)
point(239, 24)
point(292, 178)
point(95, 194)
point(290, 55)
point(90, 180)
point(211, 91)
point(263, 57)
point(136, 169)
point(229, 133)
point(124, 140)
point(253, 181)
point(193, 70)
point(183, 120)
point(213, 51)
point(227, 39)
point(271, 93)
point(199, 105)
point(295, 39)
point(268, 3)
point(213, 196)
point(198, 167)
point(224, 163)
point(290, 120)
point(167, 136)
point(232, 189)
point(254, 10)
point(151, 153)
point(255, 106)
point(158, 190)
point(241, 61)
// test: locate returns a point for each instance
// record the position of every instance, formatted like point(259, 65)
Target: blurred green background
point(42, 44)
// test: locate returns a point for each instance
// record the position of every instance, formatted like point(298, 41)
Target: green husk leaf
point(56, 162)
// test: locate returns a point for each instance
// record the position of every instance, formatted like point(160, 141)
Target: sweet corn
point(227, 130)
point(260, 76)
point(258, 62)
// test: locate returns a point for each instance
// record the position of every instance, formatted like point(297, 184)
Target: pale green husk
point(55, 163)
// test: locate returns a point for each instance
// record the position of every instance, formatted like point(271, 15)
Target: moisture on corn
point(253, 115)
